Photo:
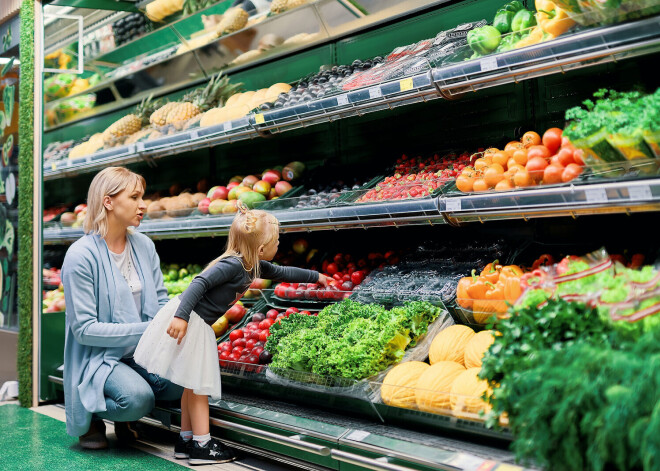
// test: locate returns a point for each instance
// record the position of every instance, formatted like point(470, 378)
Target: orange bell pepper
point(511, 271)
point(462, 297)
point(512, 289)
point(478, 288)
point(491, 272)
point(551, 19)
point(495, 295)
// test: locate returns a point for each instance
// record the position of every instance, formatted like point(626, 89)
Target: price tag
point(342, 100)
point(489, 63)
point(194, 134)
point(406, 84)
point(53, 167)
point(228, 126)
point(259, 118)
point(375, 92)
point(453, 204)
point(357, 435)
point(640, 193)
point(596, 195)
point(508, 467)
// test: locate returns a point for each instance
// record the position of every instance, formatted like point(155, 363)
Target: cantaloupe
point(466, 392)
point(399, 385)
point(477, 347)
point(449, 344)
point(434, 385)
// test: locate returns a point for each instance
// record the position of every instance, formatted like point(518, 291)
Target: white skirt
point(193, 364)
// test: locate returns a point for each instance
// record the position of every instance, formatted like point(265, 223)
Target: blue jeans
point(131, 392)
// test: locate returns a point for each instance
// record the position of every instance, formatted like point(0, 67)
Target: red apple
point(203, 206)
point(282, 187)
point(218, 193)
point(271, 176)
point(262, 187)
point(249, 181)
point(80, 208)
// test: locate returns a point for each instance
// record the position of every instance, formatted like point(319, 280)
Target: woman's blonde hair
point(249, 230)
point(108, 182)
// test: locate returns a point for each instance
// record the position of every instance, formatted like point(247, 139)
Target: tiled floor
point(36, 439)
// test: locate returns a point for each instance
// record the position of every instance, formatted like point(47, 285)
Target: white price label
point(640, 193)
point(194, 134)
point(452, 205)
point(596, 195)
point(489, 63)
point(140, 146)
point(357, 435)
point(375, 92)
point(342, 100)
point(228, 126)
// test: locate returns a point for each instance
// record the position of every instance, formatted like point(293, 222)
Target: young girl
point(179, 344)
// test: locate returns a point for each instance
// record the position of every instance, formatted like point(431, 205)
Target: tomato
point(552, 174)
point(265, 324)
point(235, 334)
point(493, 175)
point(480, 185)
point(520, 156)
point(249, 345)
point(535, 166)
point(224, 346)
point(500, 158)
point(578, 156)
point(503, 185)
point(571, 172)
point(464, 183)
point(513, 146)
point(511, 162)
point(263, 336)
point(530, 138)
point(491, 150)
point(552, 139)
point(538, 151)
point(565, 141)
point(554, 160)
point(565, 155)
point(522, 178)
point(480, 164)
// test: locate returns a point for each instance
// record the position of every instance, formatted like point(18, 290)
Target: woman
point(113, 287)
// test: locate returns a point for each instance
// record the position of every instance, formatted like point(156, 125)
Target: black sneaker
point(211, 453)
point(182, 448)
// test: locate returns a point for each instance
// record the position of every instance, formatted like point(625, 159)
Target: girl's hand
point(177, 329)
point(324, 280)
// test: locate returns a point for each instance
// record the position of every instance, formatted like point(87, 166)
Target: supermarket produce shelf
point(570, 200)
point(585, 49)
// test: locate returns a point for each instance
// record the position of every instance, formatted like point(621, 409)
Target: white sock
point(202, 440)
point(186, 436)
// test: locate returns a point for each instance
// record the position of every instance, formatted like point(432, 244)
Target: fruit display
point(177, 277)
point(280, 6)
point(52, 213)
point(158, 10)
point(241, 104)
point(53, 301)
point(51, 276)
point(617, 127)
point(229, 319)
point(70, 108)
point(130, 27)
point(417, 177)
point(532, 161)
point(58, 151)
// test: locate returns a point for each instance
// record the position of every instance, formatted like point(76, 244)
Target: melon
point(476, 348)
point(399, 385)
point(450, 343)
point(434, 385)
point(466, 392)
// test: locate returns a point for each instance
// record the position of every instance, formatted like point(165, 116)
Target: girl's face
point(127, 207)
point(267, 252)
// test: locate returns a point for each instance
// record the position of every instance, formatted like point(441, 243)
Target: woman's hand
point(177, 329)
point(324, 280)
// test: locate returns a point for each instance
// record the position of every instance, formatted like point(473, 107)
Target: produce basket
point(592, 12)
point(258, 306)
point(315, 299)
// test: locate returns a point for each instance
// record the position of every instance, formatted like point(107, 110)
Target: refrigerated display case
point(398, 86)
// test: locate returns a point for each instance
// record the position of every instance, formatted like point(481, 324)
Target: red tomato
point(234, 357)
point(307, 313)
point(235, 334)
point(578, 156)
point(223, 357)
point(238, 350)
point(554, 160)
point(566, 156)
point(265, 324)
point(536, 166)
point(255, 335)
point(290, 311)
point(552, 174)
point(571, 172)
point(538, 151)
point(224, 346)
point(263, 336)
point(249, 345)
point(552, 139)
point(564, 141)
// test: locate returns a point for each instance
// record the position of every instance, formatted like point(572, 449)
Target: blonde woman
point(180, 344)
point(113, 287)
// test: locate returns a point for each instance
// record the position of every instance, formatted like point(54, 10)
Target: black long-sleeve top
point(214, 291)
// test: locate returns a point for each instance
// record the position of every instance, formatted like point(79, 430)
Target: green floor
point(32, 441)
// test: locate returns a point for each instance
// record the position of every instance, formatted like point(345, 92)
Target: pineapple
point(291, 4)
point(129, 124)
point(202, 99)
point(233, 19)
point(278, 6)
point(159, 117)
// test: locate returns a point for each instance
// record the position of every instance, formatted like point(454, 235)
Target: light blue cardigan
point(102, 319)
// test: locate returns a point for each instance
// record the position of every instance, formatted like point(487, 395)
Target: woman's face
point(127, 207)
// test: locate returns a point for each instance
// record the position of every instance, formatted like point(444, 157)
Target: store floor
point(36, 440)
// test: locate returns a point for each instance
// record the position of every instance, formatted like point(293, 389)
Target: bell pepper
point(502, 21)
point(512, 289)
point(513, 6)
point(523, 20)
point(478, 288)
point(462, 297)
point(562, 267)
point(491, 272)
point(495, 295)
point(553, 20)
point(544, 260)
point(534, 37)
point(508, 42)
point(510, 271)
point(533, 279)
point(484, 40)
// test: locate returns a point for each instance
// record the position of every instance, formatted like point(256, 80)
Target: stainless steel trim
point(294, 441)
point(55, 379)
point(377, 464)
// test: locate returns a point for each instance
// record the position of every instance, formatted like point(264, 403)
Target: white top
point(126, 265)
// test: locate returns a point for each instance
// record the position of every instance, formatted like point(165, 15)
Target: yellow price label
point(508, 467)
point(53, 167)
point(259, 118)
point(406, 84)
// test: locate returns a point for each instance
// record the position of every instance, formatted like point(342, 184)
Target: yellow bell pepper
point(534, 37)
point(553, 20)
